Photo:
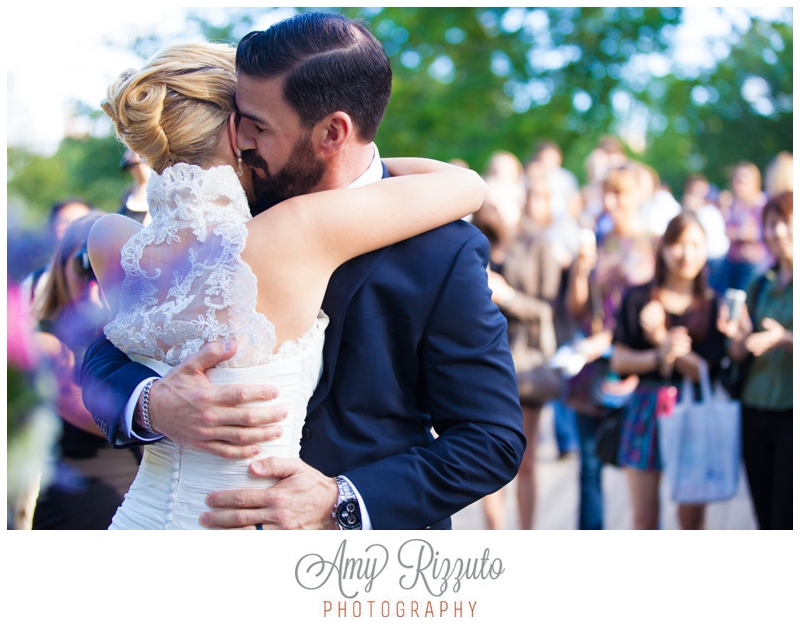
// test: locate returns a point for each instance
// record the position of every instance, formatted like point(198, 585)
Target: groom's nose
point(246, 134)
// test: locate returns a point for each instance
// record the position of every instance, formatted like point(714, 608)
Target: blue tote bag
point(700, 444)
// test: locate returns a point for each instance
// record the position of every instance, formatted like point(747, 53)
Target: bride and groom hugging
point(250, 418)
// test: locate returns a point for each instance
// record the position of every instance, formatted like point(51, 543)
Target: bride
point(204, 270)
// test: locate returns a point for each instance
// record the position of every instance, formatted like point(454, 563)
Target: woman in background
point(763, 333)
point(62, 214)
point(664, 329)
point(91, 477)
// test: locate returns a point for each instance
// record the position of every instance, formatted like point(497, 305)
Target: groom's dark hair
point(328, 62)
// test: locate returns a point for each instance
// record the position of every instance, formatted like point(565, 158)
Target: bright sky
point(71, 59)
point(65, 56)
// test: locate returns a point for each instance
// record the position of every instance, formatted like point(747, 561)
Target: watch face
point(349, 514)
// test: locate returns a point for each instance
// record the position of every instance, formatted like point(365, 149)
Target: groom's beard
point(302, 172)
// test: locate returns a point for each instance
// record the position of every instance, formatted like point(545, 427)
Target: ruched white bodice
point(170, 489)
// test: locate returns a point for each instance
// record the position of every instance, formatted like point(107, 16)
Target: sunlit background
point(686, 90)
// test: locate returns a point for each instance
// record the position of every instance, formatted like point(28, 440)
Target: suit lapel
point(344, 283)
point(342, 286)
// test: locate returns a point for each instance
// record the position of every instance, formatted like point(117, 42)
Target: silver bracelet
point(146, 407)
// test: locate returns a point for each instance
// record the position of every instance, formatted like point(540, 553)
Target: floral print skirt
point(638, 445)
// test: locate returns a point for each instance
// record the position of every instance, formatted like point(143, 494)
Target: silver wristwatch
point(347, 511)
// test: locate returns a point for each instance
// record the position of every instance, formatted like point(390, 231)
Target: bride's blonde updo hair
point(174, 108)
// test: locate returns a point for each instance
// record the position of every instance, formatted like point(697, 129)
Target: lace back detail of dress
point(185, 282)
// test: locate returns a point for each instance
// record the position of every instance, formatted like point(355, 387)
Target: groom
point(414, 342)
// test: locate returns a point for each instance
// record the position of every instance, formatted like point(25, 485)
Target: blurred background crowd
point(639, 286)
point(639, 217)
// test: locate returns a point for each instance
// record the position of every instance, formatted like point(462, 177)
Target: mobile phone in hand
point(734, 299)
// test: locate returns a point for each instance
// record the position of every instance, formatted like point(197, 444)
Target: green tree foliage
point(740, 110)
point(515, 75)
point(86, 167)
point(469, 81)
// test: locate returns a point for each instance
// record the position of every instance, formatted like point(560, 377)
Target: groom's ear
point(333, 132)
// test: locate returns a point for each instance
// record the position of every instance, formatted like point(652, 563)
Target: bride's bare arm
point(337, 225)
point(408, 166)
point(106, 239)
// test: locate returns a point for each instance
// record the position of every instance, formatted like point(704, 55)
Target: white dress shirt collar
point(373, 174)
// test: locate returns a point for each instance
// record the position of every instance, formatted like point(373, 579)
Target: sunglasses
point(82, 266)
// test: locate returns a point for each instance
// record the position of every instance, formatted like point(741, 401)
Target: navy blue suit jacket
point(414, 342)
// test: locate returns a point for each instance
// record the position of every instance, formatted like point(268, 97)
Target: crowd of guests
point(634, 282)
point(628, 277)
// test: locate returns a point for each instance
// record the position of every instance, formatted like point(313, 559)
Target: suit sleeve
point(108, 378)
point(470, 390)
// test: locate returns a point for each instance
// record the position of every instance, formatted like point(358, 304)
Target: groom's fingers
point(247, 436)
point(243, 518)
point(258, 498)
point(210, 355)
point(242, 508)
point(302, 499)
point(236, 394)
point(276, 467)
point(227, 450)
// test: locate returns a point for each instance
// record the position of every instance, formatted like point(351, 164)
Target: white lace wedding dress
point(186, 285)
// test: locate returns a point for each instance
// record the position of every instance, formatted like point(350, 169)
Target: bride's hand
point(188, 409)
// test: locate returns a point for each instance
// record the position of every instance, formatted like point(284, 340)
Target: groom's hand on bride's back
point(303, 498)
point(188, 409)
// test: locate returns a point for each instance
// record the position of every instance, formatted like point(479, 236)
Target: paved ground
point(557, 505)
